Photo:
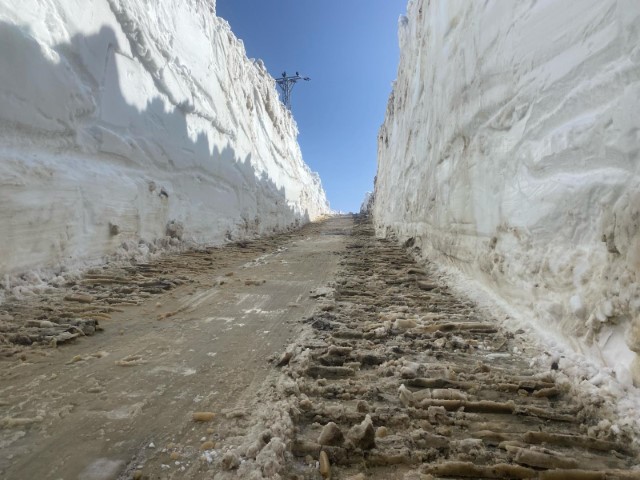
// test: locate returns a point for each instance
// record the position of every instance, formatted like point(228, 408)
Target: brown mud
point(398, 378)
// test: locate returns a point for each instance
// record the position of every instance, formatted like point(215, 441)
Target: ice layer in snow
point(510, 152)
point(125, 120)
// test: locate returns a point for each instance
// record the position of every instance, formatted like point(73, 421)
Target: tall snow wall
point(510, 153)
point(120, 117)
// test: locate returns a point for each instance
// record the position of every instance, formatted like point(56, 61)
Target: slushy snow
point(509, 153)
point(125, 122)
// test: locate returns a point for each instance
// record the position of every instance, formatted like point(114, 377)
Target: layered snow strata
point(123, 121)
point(510, 151)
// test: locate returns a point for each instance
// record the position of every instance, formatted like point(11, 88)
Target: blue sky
point(349, 48)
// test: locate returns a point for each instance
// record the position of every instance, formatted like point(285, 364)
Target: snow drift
point(127, 121)
point(510, 152)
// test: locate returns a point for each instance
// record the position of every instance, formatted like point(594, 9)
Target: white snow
point(510, 153)
point(119, 117)
point(367, 204)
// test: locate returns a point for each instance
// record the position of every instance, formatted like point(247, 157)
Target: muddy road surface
point(399, 379)
point(322, 353)
point(189, 333)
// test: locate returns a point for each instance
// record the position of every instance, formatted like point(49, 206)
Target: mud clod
point(363, 436)
point(331, 435)
point(208, 445)
point(325, 466)
point(203, 416)
point(230, 461)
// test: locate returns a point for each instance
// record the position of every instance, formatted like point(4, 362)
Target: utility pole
point(286, 85)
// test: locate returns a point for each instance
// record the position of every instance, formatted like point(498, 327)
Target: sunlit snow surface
point(118, 117)
point(510, 152)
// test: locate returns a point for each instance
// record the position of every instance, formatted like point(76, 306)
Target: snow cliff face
point(367, 204)
point(128, 120)
point(510, 152)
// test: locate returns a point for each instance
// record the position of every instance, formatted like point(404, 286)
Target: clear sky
point(349, 48)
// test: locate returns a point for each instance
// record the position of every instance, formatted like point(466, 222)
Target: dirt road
point(321, 353)
point(100, 406)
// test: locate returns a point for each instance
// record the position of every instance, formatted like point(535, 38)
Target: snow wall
point(120, 117)
point(509, 153)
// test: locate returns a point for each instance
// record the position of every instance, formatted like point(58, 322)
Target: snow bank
point(367, 204)
point(123, 121)
point(510, 152)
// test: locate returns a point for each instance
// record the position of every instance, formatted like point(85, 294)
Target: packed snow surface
point(126, 121)
point(509, 152)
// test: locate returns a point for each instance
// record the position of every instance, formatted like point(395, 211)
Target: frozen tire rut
point(397, 378)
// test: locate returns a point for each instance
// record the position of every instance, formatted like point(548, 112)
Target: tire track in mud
point(82, 304)
point(397, 378)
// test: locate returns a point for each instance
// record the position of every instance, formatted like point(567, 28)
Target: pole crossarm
point(286, 84)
